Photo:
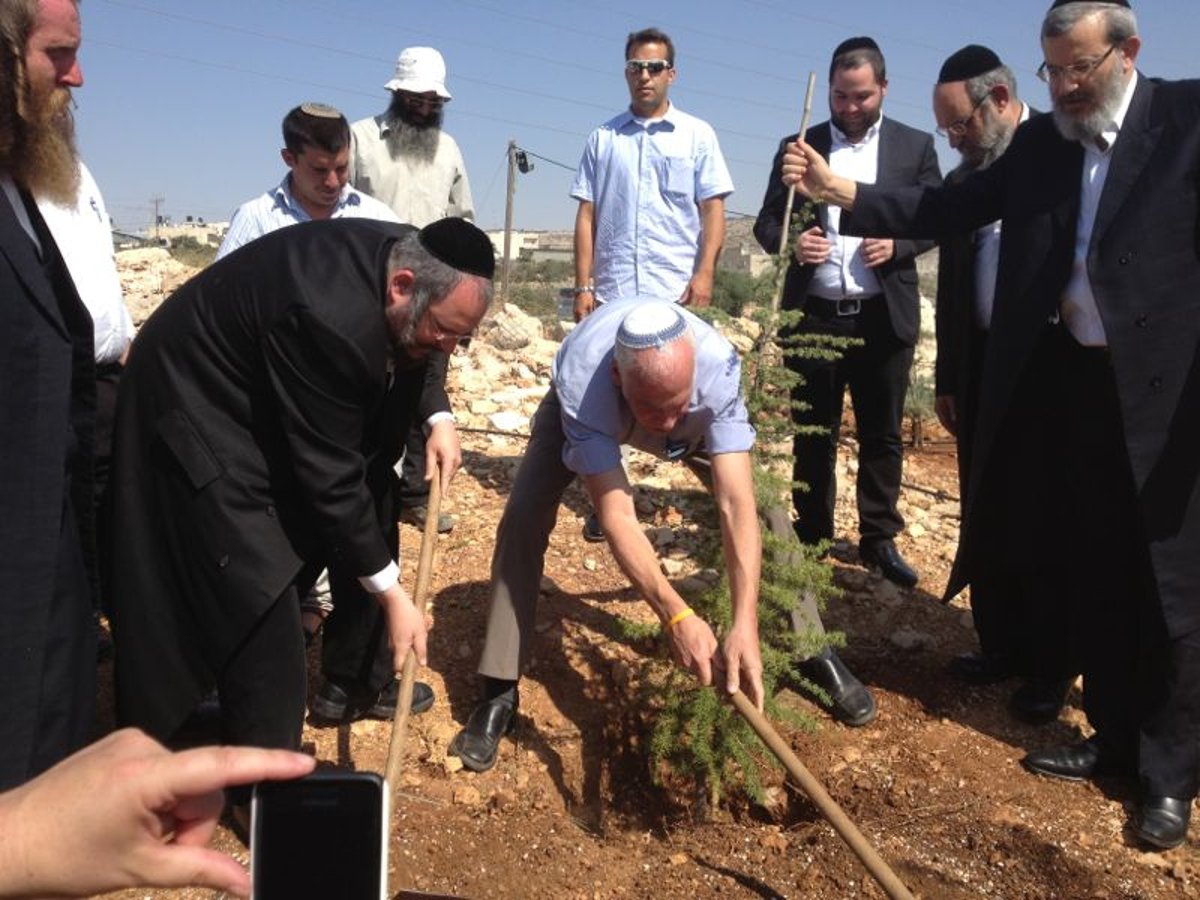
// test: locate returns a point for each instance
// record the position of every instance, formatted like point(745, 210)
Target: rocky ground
point(569, 811)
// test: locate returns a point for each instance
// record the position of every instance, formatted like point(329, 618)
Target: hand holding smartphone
point(324, 836)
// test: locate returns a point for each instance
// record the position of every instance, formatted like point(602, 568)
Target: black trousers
point(1141, 686)
point(108, 381)
point(1018, 589)
point(877, 374)
point(414, 489)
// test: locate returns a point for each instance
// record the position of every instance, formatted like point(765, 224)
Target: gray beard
point(404, 140)
point(1086, 130)
point(1003, 139)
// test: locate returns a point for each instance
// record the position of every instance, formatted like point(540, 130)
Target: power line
point(553, 162)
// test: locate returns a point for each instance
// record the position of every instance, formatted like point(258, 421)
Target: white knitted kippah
point(651, 325)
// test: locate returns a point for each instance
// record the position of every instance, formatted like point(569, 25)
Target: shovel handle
point(409, 673)
point(846, 829)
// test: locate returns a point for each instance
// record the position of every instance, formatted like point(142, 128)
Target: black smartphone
point(324, 836)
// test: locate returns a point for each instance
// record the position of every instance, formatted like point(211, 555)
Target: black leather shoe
point(1039, 700)
point(334, 703)
point(981, 668)
point(884, 556)
point(478, 744)
point(1162, 822)
point(1074, 762)
point(852, 703)
point(592, 532)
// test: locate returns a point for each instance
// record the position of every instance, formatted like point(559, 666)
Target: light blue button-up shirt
point(646, 178)
point(277, 208)
point(597, 420)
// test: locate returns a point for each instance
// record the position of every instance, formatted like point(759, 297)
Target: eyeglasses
point(959, 128)
point(653, 66)
point(1077, 71)
point(441, 335)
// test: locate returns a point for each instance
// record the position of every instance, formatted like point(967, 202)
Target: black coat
point(47, 404)
point(1144, 267)
point(906, 157)
point(257, 426)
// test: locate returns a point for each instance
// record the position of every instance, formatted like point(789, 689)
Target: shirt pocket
point(677, 176)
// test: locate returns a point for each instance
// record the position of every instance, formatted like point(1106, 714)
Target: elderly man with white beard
point(1099, 269)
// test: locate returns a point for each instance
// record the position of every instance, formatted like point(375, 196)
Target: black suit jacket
point(956, 370)
point(258, 422)
point(906, 157)
point(47, 403)
point(1144, 267)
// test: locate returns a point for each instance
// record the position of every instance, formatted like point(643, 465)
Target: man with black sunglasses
point(651, 188)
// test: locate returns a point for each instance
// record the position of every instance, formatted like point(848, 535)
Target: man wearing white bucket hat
point(404, 158)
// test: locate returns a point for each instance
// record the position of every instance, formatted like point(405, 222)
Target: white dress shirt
point(845, 274)
point(987, 260)
point(83, 234)
point(1078, 302)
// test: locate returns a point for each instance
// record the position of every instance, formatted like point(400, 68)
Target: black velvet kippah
point(1057, 3)
point(460, 245)
point(971, 61)
point(855, 43)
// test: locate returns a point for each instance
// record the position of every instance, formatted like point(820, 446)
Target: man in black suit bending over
point(261, 414)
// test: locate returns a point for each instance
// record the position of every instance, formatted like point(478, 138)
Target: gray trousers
point(524, 534)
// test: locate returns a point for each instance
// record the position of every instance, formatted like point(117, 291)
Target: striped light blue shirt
point(277, 208)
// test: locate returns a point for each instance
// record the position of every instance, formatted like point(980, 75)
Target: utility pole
point(157, 200)
point(508, 217)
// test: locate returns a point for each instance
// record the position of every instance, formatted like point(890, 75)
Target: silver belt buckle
point(849, 306)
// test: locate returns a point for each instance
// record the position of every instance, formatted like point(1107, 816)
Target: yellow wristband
point(679, 617)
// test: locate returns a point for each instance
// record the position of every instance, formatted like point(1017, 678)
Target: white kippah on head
point(651, 325)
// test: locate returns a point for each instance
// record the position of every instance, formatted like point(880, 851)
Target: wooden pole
point(505, 263)
point(787, 210)
point(424, 575)
point(804, 779)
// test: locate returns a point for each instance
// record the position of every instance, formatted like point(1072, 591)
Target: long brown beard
point(46, 162)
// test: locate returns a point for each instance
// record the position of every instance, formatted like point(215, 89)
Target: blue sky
point(184, 100)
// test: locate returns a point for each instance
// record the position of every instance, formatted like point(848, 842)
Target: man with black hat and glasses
point(260, 417)
point(851, 287)
point(1016, 591)
point(1100, 271)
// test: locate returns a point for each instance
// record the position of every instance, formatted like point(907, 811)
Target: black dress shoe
point(981, 668)
point(1162, 822)
point(1075, 762)
point(851, 703)
point(883, 555)
point(336, 703)
point(1039, 700)
point(478, 744)
point(592, 532)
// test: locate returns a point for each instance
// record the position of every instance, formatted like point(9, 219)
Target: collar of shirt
point(667, 120)
point(1113, 128)
point(840, 142)
point(286, 200)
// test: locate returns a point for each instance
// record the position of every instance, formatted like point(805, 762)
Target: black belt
point(848, 306)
